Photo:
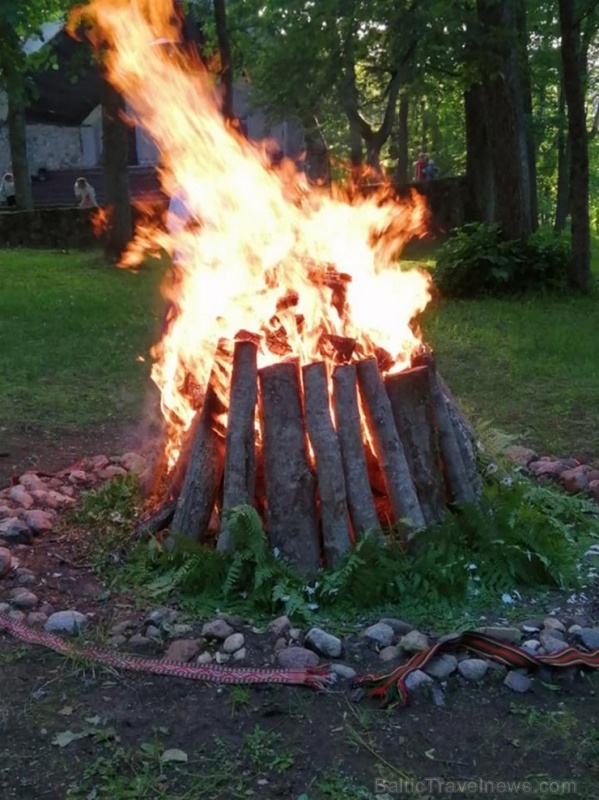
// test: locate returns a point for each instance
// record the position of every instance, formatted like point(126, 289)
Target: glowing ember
point(272, 255)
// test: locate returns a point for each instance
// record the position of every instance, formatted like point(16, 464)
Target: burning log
point(204, 471)
point(456, 476)
point(329, 468)
point(388, 447)
point(290, 484)
point(157, 521)
point(409, 393)
point(347, 416)
point(240, 453)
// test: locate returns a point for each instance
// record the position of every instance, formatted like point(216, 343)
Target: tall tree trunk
point(226, 65)
point(403, 151)
point(505, 116)
point(115, 155)
point(479, 158)
point(17, 136)
point(527, 108)
point(318, 166)
point(575, 71)
point(562, 205)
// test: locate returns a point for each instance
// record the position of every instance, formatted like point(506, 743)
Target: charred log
point(409, 393)
point(388, 447)
point(156, 522)
point(329, 468)
point(349, 430)
point(289, 481)
point(240, 453)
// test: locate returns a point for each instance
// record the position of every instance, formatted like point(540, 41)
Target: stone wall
point(50, 146)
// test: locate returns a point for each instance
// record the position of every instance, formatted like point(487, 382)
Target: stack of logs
point(319, 471)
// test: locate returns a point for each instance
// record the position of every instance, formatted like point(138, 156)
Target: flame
point(303, 268)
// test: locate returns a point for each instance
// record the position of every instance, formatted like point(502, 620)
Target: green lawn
point(71, 328)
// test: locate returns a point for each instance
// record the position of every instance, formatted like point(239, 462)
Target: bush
point(478, 260)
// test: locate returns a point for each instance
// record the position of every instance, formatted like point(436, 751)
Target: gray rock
point(437, 696)
point(5, 561)
point(4, 608)
point(391, 653)
point(531, 645)
point(233, 643)
point(161, 616)
point(240, 654)
point(574, 630)
point(345, 672)
point(20, 496)
point(473, 669)
point(222, 658)
point(380, 634)
point(139, 642)
point(25, 577)
point(418, 680)
point(70, 621)
point(296, 658)
point(182, 650)
point(399, 626)
point(552, 644)
point(554, 624)
point(122, 627)
point(15, 531)
point(589, 638)
point(134, 463)
point(295, 634)
point(517, 681)
point(217, 629)
point(182, 629)
point(31, 481)
point(531, 626)
point(324, 643)
point(39, 521)
point(442, 666)
point(118, 641)
point(23, 598)
point(414, 642)
point(280, 644)
point(153, 632)
point(36, 619)
point(205, 658)
point(521, 455)
point(511, 635)
point(280, 626)
point(17, 616)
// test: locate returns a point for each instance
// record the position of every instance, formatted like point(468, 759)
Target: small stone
point(442, 666)
point(234, 620)
point(511, 635)
point(324, 643)
point(5, 561)
point(414, 642)
point(140, 642)
point(77, 477)
point(380, 634)
point(204, 658)
point(391, 653)
point(20, 496)
point(39, 521)
point(549, 468)
point(280, 625)
point(531, 626)
point(9, 511)
point(295, 634)
point(31, 481)
point(25, 577)
point(437, 696)
point(521, 455)
point(134, 463)
point(153, 632)
point(47, 609)
point(23, 598)
point(575, 629)
point(552, 644)
point(4, 608)
point(110, 472)
point(36, 619)
point(161, 616)
point(517, 681)
point(122, 627)
point(418, 680)
point(344, 671)
point(222, 658)
point(240, 654)
point(531, 645)
point(574, 481)
point(217, 629)
point(233, 643)
point(280, 644)
point(296, 658)
point(589, 638)
point(473, 669)
point(400, 628)
point(66, 622)
point(118, 641)
point(17, 616)
point(182, 629)
point(553, 623)
point(14, 531)
point(97, 462)
point(182, 650)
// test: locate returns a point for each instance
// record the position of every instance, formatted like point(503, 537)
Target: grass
point(71, 330)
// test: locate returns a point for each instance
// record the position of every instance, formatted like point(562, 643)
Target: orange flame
point(270, 254)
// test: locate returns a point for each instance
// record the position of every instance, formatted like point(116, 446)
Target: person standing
point(419, 167)
point(8, 191)
point(85, 193)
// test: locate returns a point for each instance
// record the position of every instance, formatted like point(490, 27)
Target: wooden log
point(157, 521)
point(457, 480)
point(204, 472)
point(289, 481)
point(349, 430)
point(409, 393)
point(388, 447)
point(240, 449)
point(329, 466)
point(466, 438)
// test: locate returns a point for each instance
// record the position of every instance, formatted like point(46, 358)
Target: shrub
point(478, 260)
